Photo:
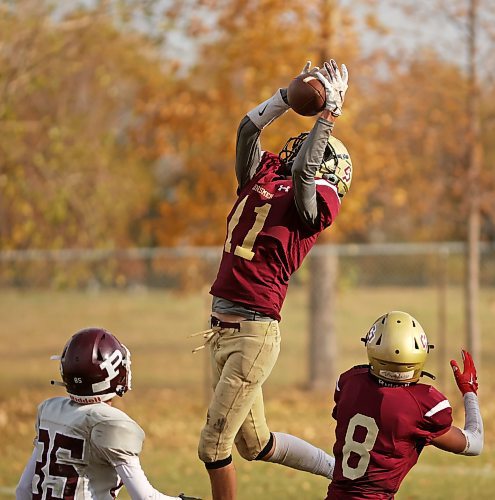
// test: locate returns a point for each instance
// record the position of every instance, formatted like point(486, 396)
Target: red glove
point(467, 381)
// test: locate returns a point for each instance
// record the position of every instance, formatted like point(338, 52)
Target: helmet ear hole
point(331, 178)
point(397, 351)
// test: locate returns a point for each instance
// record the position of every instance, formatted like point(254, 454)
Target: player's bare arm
point(467, 441)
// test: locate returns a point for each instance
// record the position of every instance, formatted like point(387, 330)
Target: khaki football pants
point(242, 360)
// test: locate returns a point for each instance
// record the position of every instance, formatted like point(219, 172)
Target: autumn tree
point(243, 51)
point(69, 175)
point(469, 33)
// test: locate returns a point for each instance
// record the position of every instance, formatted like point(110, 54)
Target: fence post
point(442, 286)
point(322, 312)
point(207, 375)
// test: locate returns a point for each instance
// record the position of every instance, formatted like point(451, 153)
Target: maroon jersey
point(380, 433)
point(267, 240)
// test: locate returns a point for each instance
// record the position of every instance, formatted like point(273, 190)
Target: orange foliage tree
point(244, 51)
point(68, 174)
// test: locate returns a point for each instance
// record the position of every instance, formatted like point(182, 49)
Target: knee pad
point(243, 449)
point(252, 453)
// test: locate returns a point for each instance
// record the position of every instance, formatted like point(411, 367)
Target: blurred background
point(118, 121)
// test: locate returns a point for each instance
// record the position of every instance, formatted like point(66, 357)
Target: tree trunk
point(322, 309)
point(474, 169)
point(323, 268)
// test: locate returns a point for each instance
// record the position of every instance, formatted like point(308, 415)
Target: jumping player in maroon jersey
point(385, 417)
point(284, 202)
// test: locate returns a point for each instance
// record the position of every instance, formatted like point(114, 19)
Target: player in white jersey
point(84, 447)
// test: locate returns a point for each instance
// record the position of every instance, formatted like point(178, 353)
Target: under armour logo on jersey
point(284, 188)
point(111, 365)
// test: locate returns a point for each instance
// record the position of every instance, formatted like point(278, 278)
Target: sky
point(408, 33)
point(431, 27)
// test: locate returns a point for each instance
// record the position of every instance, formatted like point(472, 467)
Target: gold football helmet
point(397, 348)
point(336, 166)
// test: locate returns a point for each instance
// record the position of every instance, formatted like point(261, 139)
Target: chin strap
point(427, 374)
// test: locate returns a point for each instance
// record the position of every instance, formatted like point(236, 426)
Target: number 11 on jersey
point(245, 249)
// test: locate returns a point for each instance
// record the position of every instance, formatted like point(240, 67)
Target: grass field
point(170, 384)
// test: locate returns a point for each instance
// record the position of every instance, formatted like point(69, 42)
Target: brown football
point(306, 95)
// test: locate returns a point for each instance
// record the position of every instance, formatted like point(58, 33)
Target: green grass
point(170, 385)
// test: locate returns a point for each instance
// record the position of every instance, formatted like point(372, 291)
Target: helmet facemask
point(127, 385)
point(290, 150)
point(336, 165)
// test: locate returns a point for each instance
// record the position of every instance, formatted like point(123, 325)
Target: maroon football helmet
point(95, 366)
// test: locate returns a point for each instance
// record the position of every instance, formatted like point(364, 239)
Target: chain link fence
point(403, 264)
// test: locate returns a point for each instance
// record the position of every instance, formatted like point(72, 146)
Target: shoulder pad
point(42, 407)
point(356, 370)
point(123, 435)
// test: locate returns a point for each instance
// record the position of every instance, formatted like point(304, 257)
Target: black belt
point(215, 322)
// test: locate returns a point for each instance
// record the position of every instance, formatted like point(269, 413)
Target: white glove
point(335, 84)
point(307, 69)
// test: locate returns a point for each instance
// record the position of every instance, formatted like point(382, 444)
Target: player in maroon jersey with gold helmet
point(385, 417)
point(284, 202)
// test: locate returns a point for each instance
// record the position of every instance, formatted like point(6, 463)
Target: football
point(306, 95)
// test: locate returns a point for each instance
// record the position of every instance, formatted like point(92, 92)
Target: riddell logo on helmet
point(396, 375)
point(85, 399)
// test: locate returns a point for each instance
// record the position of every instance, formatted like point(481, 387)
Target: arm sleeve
point(473, 427)
point(136, 482)
point(24, 488)
point(248, 151)
point(248, 148)
point(306, 164)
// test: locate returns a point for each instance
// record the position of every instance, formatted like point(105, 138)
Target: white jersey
point(78, 448)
